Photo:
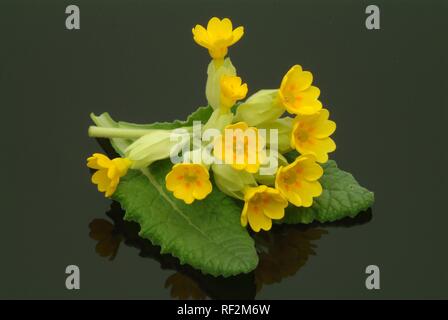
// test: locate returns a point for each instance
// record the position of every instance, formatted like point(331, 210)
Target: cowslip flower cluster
point(305, 128)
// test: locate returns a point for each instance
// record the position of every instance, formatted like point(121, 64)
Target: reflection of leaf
point(342, 197)
point(182, 287)
point(213, 287)
point(108, 241)
point(283, 252)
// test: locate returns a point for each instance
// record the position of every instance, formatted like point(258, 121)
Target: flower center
point(260, 200)
point(290, 177)
point(189, 178)
point(302, 135)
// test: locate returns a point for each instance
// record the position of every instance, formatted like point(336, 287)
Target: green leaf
point(105, 120)
point(206, 234)
point(200, 114)
point(342, 197)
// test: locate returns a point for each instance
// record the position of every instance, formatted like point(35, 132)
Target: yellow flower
point(189, 181)
point(240, 146)
point(311, 135)
point(218, 36)
point(297, 94)
point(262, 204)
point(109, 172)
point(232, 90)
point(298, 181)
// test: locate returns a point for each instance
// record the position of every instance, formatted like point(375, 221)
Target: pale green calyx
point(263, 106)
point(219, 120)
point(267, 172)
point(213, 87)
point(284, 128)
point(156, 145)
point(231, 181)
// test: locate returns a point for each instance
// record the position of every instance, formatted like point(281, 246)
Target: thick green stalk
point(104, 132)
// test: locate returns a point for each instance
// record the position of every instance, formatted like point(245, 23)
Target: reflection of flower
point(218, 36)
point(108, 241)
point(284, 253)
point(182, 287)
point(189, 181)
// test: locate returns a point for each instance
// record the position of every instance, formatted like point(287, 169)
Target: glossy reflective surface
point(137, 60)
point(283, 252)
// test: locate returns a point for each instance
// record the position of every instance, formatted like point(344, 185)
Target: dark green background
point(136, 59)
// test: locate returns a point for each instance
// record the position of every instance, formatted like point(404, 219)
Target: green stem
point(102, 132)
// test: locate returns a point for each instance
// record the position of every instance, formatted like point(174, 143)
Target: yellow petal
point(311, 93)
point(308, 191)
point(322, 147)
point(112, 172)
point(274, 210)
point(201, 171)
point(305, 107)
point(110, 190)
point(243, 218)
point(171, 180)
point(92, 162)
point(122, 165)
point(311, 170)
point(100, 178)
point(237, 34)
point(252, 191)
point(226, 26)
point(252, 168)
point(324, 129)
point(294, 198)
point(200, 36)
point(258, 221)
point(202, 191)
point(184, 193)
point(219, 32)
point(302, 80)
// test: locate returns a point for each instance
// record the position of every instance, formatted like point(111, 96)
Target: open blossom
point(261, 205)
point(311, 135)
point(108, 172)
point(240, 146)
point(298, 181)
point(218, 36)
point(297, 94)
point(189, 182)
